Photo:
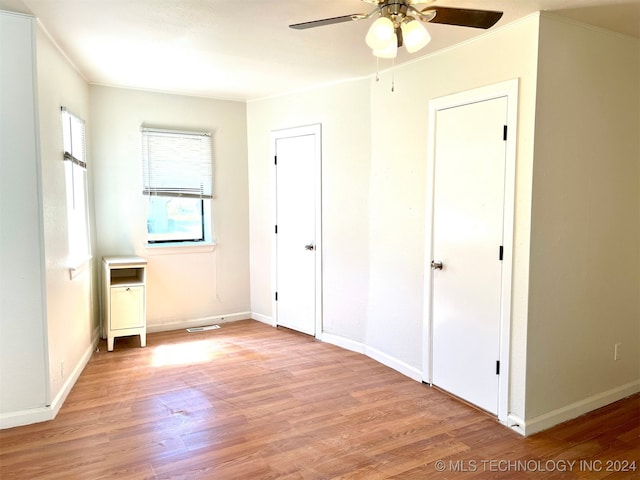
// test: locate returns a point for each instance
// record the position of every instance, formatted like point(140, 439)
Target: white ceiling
point(243, 49)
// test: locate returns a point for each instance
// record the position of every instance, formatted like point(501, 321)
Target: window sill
point(179, 248)
point(78, 266)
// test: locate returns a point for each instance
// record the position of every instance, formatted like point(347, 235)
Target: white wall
point(374, 182)
point(182, 288)
point(344, 113)
point(398, 192)
point(47, 323)
point(72, 320)
point(585, 234)
point(23, 354)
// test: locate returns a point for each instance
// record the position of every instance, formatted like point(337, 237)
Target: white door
point(469, 186)
point(296, 163)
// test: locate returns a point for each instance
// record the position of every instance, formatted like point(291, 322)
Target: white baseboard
point(515, 423)
point(569, 412)
point(62, 395)
point(49, 412)
point(342, 342)
point(392, 362)
point(25, 417)
point(198, 322)
point(268, 319)
point(375, 354)
point(358, 347)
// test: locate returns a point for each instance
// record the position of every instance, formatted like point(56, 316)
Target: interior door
point(297, 155)
point(470, 153)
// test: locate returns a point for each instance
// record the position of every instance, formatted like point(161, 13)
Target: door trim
point(507, 89)
point(315, 129)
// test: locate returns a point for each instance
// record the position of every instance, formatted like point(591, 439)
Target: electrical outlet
point(617, 351)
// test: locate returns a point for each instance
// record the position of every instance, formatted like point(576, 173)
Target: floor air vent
point(202, 329)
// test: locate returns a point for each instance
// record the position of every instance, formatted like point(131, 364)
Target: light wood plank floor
point(249, 401)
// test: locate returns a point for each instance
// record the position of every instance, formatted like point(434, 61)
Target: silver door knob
point(311, 246)
point(436, 265)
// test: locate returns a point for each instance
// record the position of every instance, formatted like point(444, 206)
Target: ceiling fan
point(399, 23)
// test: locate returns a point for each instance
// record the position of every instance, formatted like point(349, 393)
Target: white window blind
point(73, 138)
point(176, 164)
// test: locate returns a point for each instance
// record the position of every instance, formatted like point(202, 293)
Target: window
point(177, 178)
point(73, 133)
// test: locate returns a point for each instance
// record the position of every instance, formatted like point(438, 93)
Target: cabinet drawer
point(127, 307)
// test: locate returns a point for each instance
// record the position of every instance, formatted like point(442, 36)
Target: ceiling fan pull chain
point(393, 75)
point(377, 69)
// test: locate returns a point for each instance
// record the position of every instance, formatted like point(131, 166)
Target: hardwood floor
point(249, 401)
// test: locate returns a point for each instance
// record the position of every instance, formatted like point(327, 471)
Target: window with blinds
point(177, 178)
point(73, 139)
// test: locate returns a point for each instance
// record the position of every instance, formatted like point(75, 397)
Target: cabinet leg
point(110, 343)
point(143, 339)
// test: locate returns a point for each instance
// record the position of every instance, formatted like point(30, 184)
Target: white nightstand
point(124, 299)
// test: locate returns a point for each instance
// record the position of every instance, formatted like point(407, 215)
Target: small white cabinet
point(124, 298)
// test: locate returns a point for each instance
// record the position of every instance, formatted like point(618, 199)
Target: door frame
point(314, 129)
point(507, 89)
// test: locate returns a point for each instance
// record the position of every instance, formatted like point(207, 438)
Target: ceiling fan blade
point(328, 21)
point(464, 17)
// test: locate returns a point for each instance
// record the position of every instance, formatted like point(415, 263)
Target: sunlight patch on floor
point(186, 353)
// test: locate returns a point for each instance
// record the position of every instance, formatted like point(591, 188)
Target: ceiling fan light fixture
point(380, 34)
point(391, 51)
point(415, 35)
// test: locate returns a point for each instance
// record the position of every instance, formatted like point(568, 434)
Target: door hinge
point(276, 296)
point(504, 133)
point(275, 160)
point(500, 254)
point(497, 367)
point(276, 228)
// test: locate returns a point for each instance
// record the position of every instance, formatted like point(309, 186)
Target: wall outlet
point(617, 351)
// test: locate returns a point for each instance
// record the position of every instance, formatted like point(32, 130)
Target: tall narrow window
point(177, 177)
point(75, 164)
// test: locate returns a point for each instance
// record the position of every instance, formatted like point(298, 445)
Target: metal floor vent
point(202, 329)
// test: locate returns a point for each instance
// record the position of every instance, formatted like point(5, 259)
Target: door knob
point(436, 265)
point(311, 246)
